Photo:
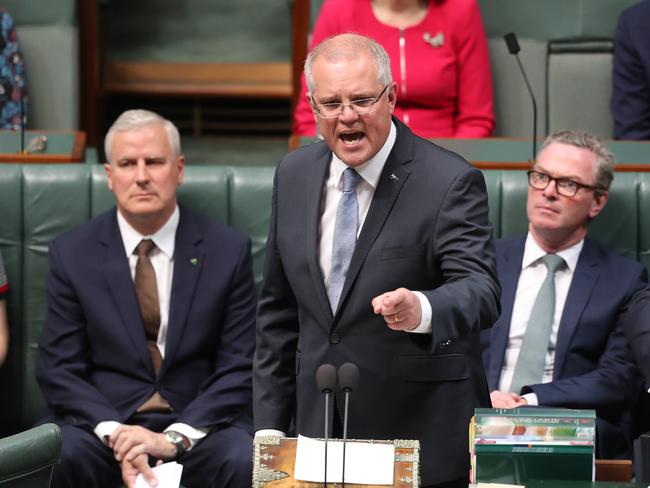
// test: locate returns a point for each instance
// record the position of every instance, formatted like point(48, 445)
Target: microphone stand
point(326, 381)
point(513, 48)
point(327, 410)
point(530, 90)
point(345, 432)
point(348, 379)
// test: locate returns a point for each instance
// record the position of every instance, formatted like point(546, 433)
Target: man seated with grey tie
point(558, 342)
point(146, 352)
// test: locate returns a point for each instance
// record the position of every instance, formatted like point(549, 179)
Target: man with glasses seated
point(559, 340)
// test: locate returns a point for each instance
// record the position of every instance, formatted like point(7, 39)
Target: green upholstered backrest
point(38, 202)
point(49, 38)
point(579, 86)
point(513, 108)
point(552, 19)
point(200, 31)
point(42, 12)
point(28, 458)
point(55, 198)
point(572, 86)
point(250, 208)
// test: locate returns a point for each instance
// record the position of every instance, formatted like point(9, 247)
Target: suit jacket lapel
point(582, 285)
point(318, 173)
point(120, 284)
point(188, 261)
point(390, 183)
point(509, 268)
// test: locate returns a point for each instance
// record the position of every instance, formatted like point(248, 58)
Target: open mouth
point(351, 138)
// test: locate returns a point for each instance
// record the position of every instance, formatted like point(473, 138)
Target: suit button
point(335, 339)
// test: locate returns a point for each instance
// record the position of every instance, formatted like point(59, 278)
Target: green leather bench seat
point(39, 202)
point(27, 459)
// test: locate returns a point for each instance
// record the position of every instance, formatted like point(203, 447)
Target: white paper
point(365, 463)
point(168, 475)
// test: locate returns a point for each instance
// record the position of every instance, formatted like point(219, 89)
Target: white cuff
point(194, 435)
point(105, 429)
point(531, 398)
point(425, 326)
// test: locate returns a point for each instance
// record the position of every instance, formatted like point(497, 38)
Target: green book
point(517, 445)
point(534, 426)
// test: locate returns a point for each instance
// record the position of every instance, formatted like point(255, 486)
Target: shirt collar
point(164, 238)
point(371, 170)
point(533, 253)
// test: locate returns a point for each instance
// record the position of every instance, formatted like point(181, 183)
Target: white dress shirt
point(162, 260)
point(533, 273)
point(370, 172)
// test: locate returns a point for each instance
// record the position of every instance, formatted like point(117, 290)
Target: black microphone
point(326, 381)
point(513, 48)
point(348, 381)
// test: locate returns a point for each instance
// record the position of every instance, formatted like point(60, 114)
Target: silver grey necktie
point(532, 356)
point(345, 235)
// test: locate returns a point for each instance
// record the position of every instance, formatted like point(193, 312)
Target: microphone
point(326, 381)
point(348, 381)
point(513, 48)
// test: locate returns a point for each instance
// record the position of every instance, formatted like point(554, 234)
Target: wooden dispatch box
point(274, 461)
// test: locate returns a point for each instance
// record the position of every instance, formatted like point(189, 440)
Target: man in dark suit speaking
point(147, 347)
point(380, 253)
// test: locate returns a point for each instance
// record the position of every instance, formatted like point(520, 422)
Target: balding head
point(348, 47)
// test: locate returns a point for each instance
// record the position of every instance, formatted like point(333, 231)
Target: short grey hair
point(137, 119)
point(604, 158)
point(348, 46)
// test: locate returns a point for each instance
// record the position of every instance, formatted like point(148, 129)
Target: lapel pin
point(436, 41)
point(194, 261)
point(393, 177)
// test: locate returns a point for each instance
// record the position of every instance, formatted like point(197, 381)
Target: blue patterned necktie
point(345, 235)
point(532, 355)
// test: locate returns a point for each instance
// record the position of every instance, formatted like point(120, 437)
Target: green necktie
point(532, 355)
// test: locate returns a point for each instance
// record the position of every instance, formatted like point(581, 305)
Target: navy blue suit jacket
point(93, 363)
point(594, 368)
point(426, 229)
point(631, 75)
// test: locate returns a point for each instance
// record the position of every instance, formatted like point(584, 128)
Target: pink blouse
point(441, 66)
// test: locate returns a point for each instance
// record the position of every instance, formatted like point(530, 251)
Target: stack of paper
point(515, 445)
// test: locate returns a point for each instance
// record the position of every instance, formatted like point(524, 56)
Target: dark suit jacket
point(636, 326)
point(594, 368)
point(427, 229)
point(631, 75)
point(93, 363)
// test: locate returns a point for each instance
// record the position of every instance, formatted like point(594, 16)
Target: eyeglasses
point(564, 186)
point(335, 109)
